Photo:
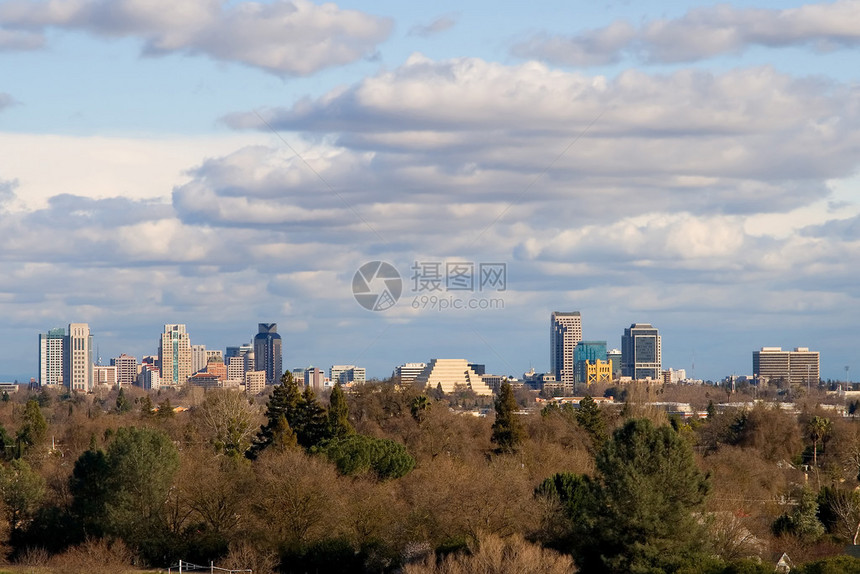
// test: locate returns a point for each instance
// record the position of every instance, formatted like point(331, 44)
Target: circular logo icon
point(377, 286)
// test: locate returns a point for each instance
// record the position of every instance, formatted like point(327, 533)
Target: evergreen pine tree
point(283, 437)
point(283, 402)
point(508, 431)
point(338, 414)
point(34, 428)
point(123, 405)
point(649, 494)
point(146, 407)
point(310, 423)
point(165, 410)
point(591, 420)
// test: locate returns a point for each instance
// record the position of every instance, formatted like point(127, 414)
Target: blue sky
point(692, 166)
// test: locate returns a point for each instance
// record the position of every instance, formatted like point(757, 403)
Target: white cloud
point(284, 37)
point(102, 166)
point(703, 33)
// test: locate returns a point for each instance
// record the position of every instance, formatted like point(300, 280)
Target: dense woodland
point(383, 479)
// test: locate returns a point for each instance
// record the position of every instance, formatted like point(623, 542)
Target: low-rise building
point(255, 382)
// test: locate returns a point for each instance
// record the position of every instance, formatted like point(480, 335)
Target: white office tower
point(565, 333)
point(78, 359)
point(51, 357)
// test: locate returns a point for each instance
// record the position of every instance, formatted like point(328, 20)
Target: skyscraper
point(174, 355)
point(126, 369)
point(565, 333)
point(587, 353)
point(51, 356)
point(78, 358)
point(641, 355)
point(267, 352)
point(198, 358)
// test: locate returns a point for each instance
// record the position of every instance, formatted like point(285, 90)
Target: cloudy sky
point(221, 164)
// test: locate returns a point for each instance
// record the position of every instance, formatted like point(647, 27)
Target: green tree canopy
point(282, 402)
point(21, 490)
point(589, 417)
point(123, 405)
point(639, 513)
point(124, 491)
point(309, 422)
point(818, 429)
point(90, 490)
point(165, 410)
point(356, 454)
point(338, 414)
point(33, 429)
point(508, 431)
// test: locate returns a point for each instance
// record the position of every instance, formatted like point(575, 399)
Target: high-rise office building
point(174, 355)
point(126, 369)
point(641, 355)
point(267, 352)
point(314, 378)
point(78, 358)
point(798, 367)
point(51, 357)
point(587, 353)
point(198, 358)
point(148, 379)
point(239, 360)
point(565, 333)
point(614, 357)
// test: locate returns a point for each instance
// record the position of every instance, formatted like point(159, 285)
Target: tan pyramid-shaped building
point(450, 374)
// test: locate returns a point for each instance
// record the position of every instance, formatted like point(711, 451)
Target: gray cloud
point(7, 190)
point(703, 33)
point(435, 27)
point(285, 37)
point(478, 133)
point(6, 101)
point(20, 40)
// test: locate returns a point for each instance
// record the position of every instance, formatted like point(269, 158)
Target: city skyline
point(692, 166)
point(570, 335)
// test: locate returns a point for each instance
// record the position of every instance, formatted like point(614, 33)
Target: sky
point(223, 164)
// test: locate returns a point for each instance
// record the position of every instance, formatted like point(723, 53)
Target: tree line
point(387, 479)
